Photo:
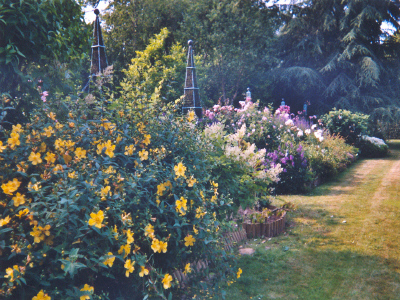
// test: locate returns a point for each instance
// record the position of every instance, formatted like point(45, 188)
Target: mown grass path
point(342, 241)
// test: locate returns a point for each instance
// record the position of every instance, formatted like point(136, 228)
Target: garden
point(110, 192)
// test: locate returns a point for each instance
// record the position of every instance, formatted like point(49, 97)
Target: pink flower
point(44, 95)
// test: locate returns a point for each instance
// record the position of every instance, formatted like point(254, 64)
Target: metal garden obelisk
point(99, 58)
point(192, 95)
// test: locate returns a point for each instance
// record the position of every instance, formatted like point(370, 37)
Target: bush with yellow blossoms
point(108, 208)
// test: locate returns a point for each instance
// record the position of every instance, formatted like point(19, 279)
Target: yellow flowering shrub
point(112, 200)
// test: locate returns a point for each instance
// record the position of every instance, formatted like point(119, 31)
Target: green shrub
point(97, 207)
point(329, 157)
point(347, 124)
point(372, 147)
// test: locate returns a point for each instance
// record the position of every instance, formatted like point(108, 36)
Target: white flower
point(318, 134)
point(300, 133)
point(314, 126)
point(374, 140)
point(307, 131)
point(289, 122)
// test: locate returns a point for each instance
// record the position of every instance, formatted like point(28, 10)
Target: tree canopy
point(336, 53)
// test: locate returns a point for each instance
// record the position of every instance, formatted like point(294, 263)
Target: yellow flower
point(17, 128)
point(35, 158)
point(110, 260)
point(10, 187)
point(168, 184)
point(187, 269)
point(59, 144)
point(163, 247)
point(2, 147)
point(96, 219)
point(144, 155)
point(5, 221)
point(147, 138)
point(48, 131)
point(155, 245)
point(39, 233)
point(129, 236)
point(191, 181)
point(140, 126)
point(189, 240)
point(22, 213)
point(119, 138)
point(129, 150)
point(80, 153)
point(59, 126)
point(71, 124)
point(149, 231)
point(41, 296)
point(191, 115)
point(52, 116)
point(13, 140)
point(109, 148)
point(105, 192)
point(110, 170)
point(18, 199)
point(126, 249)
point(160, 189)
point(167, 281)
point(69, 144)
point(195, 230)
point(34, 187)
point(58, 168)
point(72, 175)
point(214, 199)
point(10, 272)
point(143, 271)
point(200, 213)
point(107, 125)
point(181, 206)
point(126, 218)
point(180, 170)
point(129, 267)
point(115, 230)
point(86, 288)
point(239, 272)
point(50, 157)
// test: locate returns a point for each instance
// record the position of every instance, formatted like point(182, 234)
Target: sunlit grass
point(342, 241)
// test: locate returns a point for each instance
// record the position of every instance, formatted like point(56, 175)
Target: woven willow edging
point(268, 229)
point(230, 240)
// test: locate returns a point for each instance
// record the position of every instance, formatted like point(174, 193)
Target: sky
point(89, 14)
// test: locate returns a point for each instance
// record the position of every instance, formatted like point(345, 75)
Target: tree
point(155, 76)
point(233, 39)
point(39, 40)
point(341, 44)
point(131, 24)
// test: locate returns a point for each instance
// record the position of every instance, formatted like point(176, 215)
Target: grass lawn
point(341, 242)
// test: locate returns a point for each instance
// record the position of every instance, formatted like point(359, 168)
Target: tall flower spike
point(192, 95)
